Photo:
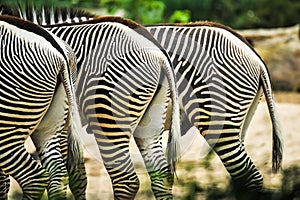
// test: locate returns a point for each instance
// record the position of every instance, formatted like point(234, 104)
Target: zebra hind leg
point(4, 184)
point(54, 155)
point(148, 137)
point(157, 166)
point(32, 178)
point(52, 160)
point(76, 168)
point(247, 180)
point(117, 161)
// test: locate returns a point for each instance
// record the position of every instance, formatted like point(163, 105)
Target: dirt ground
point(199, 167)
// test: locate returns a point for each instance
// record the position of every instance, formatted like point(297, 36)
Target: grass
point(290, 189)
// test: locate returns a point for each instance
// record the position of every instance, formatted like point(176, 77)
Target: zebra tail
point(173, 148)
point(277, 151)
point(75, 153)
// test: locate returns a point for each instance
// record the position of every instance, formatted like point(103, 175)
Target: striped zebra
point(124, 79)
point(34, 65)
point(220, 81)
point(118, 91)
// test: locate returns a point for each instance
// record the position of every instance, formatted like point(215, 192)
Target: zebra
point(34, 64)
point(220, 80)
point(115, 108)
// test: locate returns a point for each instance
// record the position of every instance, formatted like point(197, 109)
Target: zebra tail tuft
point(277, 146)
point(173, 150)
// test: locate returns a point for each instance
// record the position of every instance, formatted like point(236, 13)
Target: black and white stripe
point(46, 16)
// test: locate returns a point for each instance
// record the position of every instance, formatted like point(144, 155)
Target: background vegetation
point(239, 14)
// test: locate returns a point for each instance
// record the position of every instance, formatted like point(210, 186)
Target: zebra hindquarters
point(31, 61)
point(148, 137)
point(219, 110)
point(113, 106)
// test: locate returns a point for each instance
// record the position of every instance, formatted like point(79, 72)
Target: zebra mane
point(47, 15)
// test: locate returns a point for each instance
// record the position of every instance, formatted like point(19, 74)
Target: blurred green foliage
point(180, 16)
point(234, 13)
point(241, 13)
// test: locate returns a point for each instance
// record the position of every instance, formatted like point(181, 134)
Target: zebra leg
point(52, 160)
point(117, 161)
point(247, 180)
point(112, 132)
point(4, 184)
point(47, 142)
point(76, 168)
point(32, 178)
point(157, 166)
point(148, 137)
point(54, 155)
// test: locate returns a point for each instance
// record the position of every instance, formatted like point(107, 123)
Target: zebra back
point(206, 24)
